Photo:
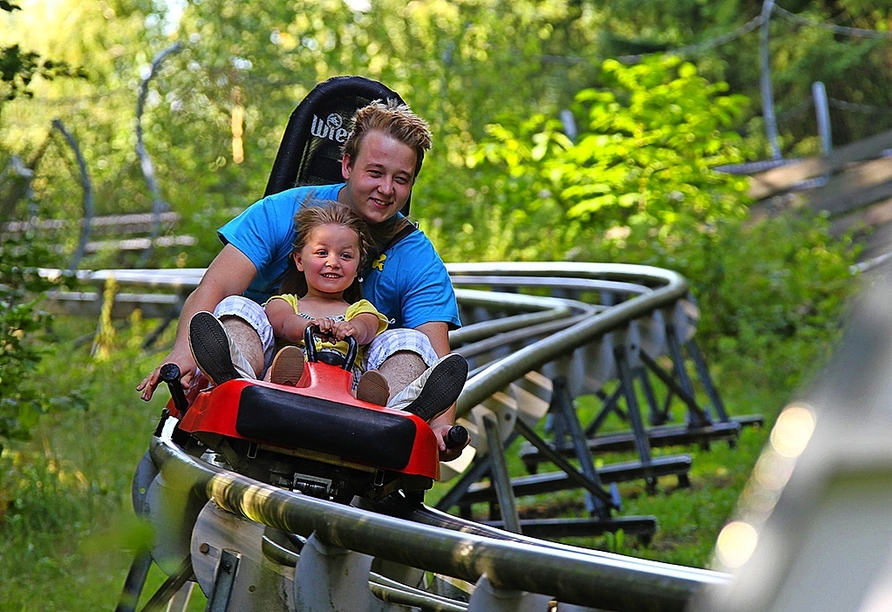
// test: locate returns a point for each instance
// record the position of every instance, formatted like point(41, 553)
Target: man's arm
point(229, 274)
point(438, 333)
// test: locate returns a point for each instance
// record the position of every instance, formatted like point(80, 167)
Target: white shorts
point(391, 341)
point(254, 315)
point(383, 346)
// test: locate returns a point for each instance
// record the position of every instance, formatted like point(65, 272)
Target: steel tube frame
point(666, 288)
point(571, 575)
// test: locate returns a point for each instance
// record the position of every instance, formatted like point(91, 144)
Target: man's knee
point(400, 340)
point(247, 314)
point(247, 340)
point(401, 368)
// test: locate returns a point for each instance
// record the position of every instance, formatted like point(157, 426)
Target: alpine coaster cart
point(315, 438)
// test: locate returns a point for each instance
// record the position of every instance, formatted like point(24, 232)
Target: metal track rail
point(532, 330)
point(510, 562)
point(656, 288)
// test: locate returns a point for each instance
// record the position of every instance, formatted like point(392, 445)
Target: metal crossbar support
point(663, 436)
point(674, 387)
point(639, 438)
point(549, 482)
point(467, 492)
point(134, 583)
point(479, 468)
point(170, 586)
point(658, 416)
point(695, 418)
point(179, 602)
point(608, 405)
point(224, 581)
point(593, 485)
point(705, 378)
point(501, 478)
point(562, 404)
point(642, 442)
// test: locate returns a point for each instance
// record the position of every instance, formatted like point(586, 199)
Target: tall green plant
point(638, 184)
point(22, 399)
point(639, 172)
point(25, 339)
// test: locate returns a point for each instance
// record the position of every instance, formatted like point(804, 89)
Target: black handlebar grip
point(310, 347)
point(170, 373)
point(456, 437)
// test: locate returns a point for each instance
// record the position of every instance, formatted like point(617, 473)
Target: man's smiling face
point(379, 179)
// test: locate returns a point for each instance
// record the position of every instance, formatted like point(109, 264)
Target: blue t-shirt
point(408, 283)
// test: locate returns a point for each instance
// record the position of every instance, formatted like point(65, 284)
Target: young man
point(407, 282)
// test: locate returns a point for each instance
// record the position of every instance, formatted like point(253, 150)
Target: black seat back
point(310, 152)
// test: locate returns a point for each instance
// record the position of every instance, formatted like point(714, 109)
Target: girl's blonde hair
point(316, 213)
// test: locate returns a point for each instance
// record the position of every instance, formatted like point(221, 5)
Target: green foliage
point(18, 68)
point(22, 398)
point(639, 171)
point(778, 282)
point(460, 65)
point(463, 66)
point(651, 136)
point(808, 41)
point(637, 185)
point(66, 517)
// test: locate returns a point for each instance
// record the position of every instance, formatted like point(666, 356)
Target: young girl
point(321, 287)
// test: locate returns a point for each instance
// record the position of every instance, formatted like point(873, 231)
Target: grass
point(67, 529)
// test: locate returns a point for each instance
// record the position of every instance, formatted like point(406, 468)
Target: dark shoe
point(432, 393)
point(373, 388)
point(210, 348)
point(287, 367)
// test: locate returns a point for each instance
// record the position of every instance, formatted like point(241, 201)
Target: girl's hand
point(342, 329)
point(361, 327)
point(328, 327)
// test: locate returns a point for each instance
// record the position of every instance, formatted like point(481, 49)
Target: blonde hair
point(394, 119)
point(316, 213)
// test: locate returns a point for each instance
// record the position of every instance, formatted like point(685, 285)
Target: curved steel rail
point(547, 329)
point(521, 330)
point(572, 575)
point(651, 289)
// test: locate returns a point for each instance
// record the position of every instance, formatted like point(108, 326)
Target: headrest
point(310, 152)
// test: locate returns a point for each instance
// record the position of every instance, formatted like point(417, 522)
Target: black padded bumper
point(356, 434)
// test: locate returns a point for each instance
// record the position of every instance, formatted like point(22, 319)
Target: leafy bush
point(23, 399)
point(639, 172)
point(782, 282)
point(637, 185)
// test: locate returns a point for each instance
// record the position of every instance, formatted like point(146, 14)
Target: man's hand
point(184, 361)
point(229, 274)
point(441, 426)
point(447, 454)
